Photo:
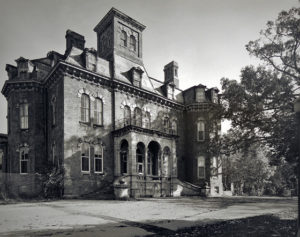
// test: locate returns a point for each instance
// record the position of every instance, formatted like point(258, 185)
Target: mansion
point(97, 114)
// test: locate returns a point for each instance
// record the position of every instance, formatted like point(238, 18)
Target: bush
point(52, 180)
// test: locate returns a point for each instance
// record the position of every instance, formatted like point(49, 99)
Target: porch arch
point(153, 158)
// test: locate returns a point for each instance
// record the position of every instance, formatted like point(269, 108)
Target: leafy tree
point(260, 106)
point(247, 169)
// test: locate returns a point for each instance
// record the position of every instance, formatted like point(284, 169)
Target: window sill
point(24, 173)
point(85, 172)
point(84, 123)
point(97, 126)
point(99, 173)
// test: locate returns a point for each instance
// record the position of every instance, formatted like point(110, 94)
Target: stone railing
point(159, 127)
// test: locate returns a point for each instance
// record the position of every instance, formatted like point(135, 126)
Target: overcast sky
point(206, 37)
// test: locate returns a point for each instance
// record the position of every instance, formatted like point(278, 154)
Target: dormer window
point(132, 43)
point(123, 38)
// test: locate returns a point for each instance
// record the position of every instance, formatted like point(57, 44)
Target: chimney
point(74, 39)
point(171, 73)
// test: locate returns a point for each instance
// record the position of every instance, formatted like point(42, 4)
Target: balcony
point(156, 127)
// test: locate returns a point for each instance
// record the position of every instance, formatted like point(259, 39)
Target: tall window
point(123, 156)
point(85, 157)
point(24, 116)
point(24, 160)
point(127, 115)
point(147, 120)
point(201, 167)
point(200, 131)
point(166, 123)
point(98, 159)
point(138, 117)
point(124, 38)
point(98, 111)
point(85, 108)
point(140, 154)
point(174, 127)
point(149, 163)
point(132, 43)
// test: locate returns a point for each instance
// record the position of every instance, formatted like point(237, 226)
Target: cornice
point(65, 69)
point(28, 85)
point(204, 106)
point(113, 12)
point(86, 75)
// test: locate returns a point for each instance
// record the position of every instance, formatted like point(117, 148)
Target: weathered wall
point(77, 182)
point(34, 136)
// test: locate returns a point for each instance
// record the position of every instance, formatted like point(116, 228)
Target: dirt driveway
point(131, 218)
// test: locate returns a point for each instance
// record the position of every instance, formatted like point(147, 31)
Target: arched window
point(98, 159)
point(24, 160)
point(147, 120)
point(140, 155)
point(124, 156)
point(132, 43)
point(166, 124)
point(123, 38)
point(85, 108)
point(166, 159)
point(24, 115)
point(174, 127)
point(85, 158)
point(200, 131)
point(98, 111)
point(201, 167)
point(137, 117)
point(127, 115)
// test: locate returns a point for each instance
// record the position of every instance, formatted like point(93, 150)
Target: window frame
point(138, 117)
point(24, 151)
point(98, 112)
point(24, 115)
point(85, 111)
point(98, 158)
point(201, 160)
point(200, 128)
point(85, 157)
point(141, 155)
point(123, 38)
point(132, 43)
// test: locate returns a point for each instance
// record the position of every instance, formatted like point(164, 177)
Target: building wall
point(75, 132)
point(34, 137)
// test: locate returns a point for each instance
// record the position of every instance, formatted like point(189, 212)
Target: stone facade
point(98, 115)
